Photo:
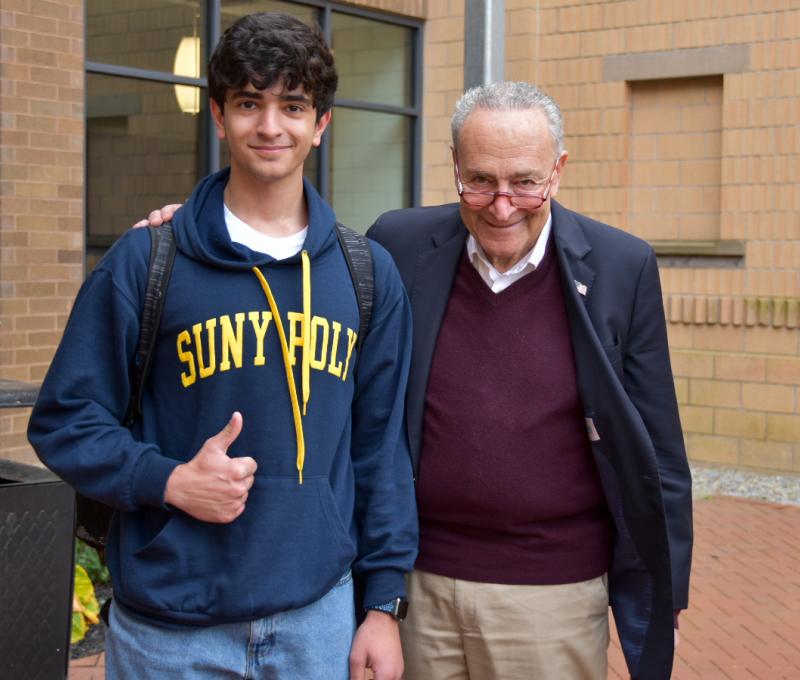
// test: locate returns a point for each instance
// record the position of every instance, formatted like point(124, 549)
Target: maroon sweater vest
point(507, 490)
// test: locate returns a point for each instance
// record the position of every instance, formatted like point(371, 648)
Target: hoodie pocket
point(286, 550)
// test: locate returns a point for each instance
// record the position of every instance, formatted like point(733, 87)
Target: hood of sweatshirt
point(201, 234)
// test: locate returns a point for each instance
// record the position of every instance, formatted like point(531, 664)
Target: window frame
point(209, 145)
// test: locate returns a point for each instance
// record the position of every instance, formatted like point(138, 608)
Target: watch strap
point(395, 608)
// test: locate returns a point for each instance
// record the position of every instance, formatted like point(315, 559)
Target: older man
point(551, 471)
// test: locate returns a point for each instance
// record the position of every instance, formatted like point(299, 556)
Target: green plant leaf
point(79, 628)
point(85, 608)
point(84, 592)
point(89, 559)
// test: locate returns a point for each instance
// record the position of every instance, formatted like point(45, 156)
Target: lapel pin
point(582, 289)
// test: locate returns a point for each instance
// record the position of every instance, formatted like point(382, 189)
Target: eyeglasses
point(521, 198)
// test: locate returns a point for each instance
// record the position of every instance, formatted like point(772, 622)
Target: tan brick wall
point(41, 183)
point(674, 158)
point(443, 81)
point(726, 325)
point(740, 408)
point(13, 441)
point(41, 189)
point(411, 8)
point(733, 332)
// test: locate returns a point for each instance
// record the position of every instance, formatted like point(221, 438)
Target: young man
point(232, 550)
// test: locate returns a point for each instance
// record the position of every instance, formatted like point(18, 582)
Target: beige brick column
point(41, 190)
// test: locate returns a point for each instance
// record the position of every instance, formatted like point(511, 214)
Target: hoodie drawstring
point(306, 329)
point(306, 366)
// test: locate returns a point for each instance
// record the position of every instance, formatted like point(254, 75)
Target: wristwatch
point(396, 608)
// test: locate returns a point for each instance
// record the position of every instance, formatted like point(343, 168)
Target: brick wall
point(674, 161)
point(724, 164)
point(733, 330)
point(410, 8)
point(443, 84)
point(41, 189)
point(681, 123)
point(42, 133)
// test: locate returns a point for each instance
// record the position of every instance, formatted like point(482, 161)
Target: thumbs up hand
point(213, 487)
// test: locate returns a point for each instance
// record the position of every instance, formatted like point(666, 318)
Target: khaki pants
point(462, 630)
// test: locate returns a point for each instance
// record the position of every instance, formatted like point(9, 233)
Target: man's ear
point(219, 119)
point(319, 128)
point(562, 161)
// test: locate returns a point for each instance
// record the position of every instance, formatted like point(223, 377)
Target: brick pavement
point(744, 618)
point(87, 668)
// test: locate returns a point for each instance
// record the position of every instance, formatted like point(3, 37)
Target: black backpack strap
point(162, 256)
point(358, 255)
point(92, 518)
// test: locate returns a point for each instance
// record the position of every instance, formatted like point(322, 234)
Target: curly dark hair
point(268, 47)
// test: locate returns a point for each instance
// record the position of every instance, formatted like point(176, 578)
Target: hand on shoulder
point(158, 217)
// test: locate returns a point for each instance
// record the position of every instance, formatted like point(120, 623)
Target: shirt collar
point(530, 260)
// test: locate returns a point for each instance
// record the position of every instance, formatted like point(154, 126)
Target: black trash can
point(36, 555)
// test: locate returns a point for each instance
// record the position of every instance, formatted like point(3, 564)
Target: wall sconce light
point(187, 63)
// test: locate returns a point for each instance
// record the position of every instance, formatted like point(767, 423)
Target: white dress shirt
point(499, 281)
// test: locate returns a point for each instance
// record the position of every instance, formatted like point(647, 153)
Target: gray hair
point(509, 96)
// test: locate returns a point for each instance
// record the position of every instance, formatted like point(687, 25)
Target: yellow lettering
point(197, 349)
point(352, 336)
point(335, 368)
point(260, 329)
point(186, 357)
point(295, 333)
point(197, 329)
point(231, 342)
point(316, 323)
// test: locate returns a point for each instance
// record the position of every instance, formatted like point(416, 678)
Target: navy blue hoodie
point(334, 486)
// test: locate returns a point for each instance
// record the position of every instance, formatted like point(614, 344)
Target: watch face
point(400, 608)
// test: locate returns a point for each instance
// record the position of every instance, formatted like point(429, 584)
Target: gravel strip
point(721, 481)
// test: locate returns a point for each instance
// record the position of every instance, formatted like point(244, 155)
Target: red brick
point(743, 619)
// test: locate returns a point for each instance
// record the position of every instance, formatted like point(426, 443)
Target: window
point(371, 140)
point(144, 133)
point(150, 137)
point(141, 152)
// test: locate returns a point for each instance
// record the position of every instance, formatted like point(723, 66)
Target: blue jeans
point(310, 642)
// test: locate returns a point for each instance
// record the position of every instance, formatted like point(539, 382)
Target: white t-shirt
point(279, 247)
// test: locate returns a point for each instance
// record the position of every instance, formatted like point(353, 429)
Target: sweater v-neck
point(522, 287)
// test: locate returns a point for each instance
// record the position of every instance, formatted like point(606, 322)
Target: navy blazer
point(619, 339)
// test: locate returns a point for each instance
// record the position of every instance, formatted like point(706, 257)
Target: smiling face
point(500, 151)
point(269, 132)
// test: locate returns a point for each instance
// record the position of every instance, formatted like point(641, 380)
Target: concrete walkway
point(744, 617)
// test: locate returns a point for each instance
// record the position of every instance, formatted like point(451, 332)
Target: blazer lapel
point(433, 278)
point(577, 279)
point(572, 247)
